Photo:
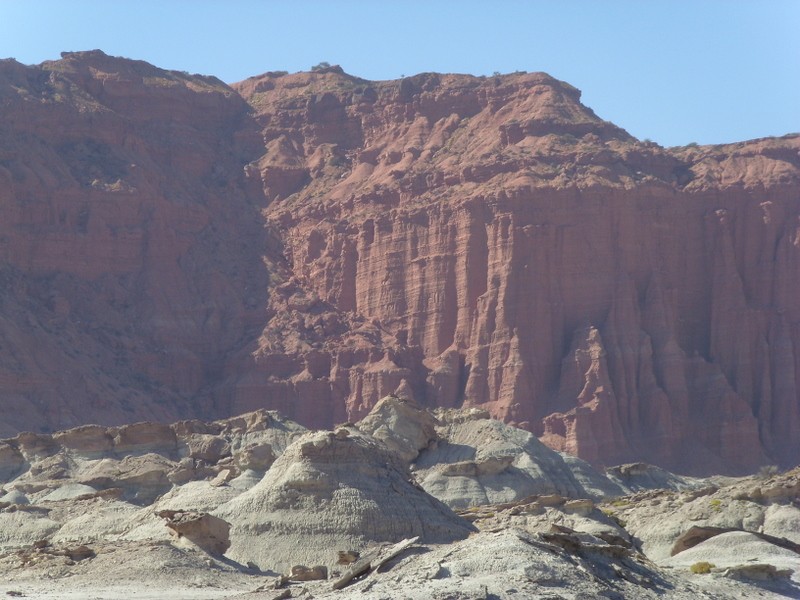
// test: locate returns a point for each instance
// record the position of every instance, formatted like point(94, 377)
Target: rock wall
point(130, 241)
point(615, 325)
point(176, 247)
point(620, 300)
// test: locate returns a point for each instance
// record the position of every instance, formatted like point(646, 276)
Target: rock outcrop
point(331, 488)
point(202, 529)
point(175, 247)
point(478, 460)
point(621, 300)
point(342, 504)
point(131, 242)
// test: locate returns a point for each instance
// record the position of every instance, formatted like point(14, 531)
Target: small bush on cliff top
point(321, 66)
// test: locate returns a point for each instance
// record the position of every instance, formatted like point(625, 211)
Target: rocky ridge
point(312, 242)
point(258, 503)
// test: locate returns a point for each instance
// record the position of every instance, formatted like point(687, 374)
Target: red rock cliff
point(130, 240)
point(621, 300)
point(171, 251)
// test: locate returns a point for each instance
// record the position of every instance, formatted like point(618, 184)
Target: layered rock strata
point(619, 299)
point(313, 242)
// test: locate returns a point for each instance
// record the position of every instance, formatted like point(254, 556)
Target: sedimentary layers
point(313, 242)
point(619, 299)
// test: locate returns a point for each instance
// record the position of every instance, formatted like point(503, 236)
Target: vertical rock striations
point(313, 242)
point(130, 240)
point(621, 300)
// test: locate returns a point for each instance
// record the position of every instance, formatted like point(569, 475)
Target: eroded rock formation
point(618, 299)
point(313, 242)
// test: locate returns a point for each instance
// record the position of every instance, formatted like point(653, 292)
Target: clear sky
point(674, 71)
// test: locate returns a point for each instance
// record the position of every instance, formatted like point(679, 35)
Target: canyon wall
point(175, 247)
point(621, 300)
point(130, 241)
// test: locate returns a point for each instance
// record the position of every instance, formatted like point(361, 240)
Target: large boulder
point(202, 529)
point(400, 424)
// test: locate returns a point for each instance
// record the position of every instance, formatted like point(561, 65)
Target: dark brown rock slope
point(169, 251)
point(130, 240)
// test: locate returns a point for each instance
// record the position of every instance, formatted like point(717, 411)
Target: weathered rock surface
point(745, 555)
point(478, 460)
point(131, 242)
point(333, 490)
point(620, 300)
point(663, 520)
point(175, 247)
point(404, 427)
point(333, 497)
point(208, 532)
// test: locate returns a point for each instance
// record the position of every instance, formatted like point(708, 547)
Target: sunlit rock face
point(312, 242)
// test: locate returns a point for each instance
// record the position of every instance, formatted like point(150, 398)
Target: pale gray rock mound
point(14, 497)
point(783, 520)
point(22, 528)
point(515, 565)
point(765, 506)
point(70, 491)
point(483, 461)
point(735, 549)
point(329, 492)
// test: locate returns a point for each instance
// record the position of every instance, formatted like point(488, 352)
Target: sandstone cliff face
point(169, 250)
point(130, 240)
point(618, 299)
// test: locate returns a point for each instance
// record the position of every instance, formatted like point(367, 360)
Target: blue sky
point(674, 71)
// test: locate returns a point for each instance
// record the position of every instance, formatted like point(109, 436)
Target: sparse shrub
point(716, 504)
point(702, 567)
point(321, 66)
point(614, 517)
point(767, 471)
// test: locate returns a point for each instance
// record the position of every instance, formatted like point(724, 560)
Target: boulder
point(210, 533)
point(145, 437)
point(400, 424)
point(257, 457)
point(208, 448)
point(303, 573)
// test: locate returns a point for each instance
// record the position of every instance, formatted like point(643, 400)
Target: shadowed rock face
point(176, 247)
point(130, 240)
